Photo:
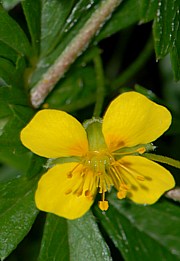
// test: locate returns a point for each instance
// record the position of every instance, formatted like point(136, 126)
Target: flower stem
point(100, 86)
point(75, 47)
point(135, 66)
point(163, 159)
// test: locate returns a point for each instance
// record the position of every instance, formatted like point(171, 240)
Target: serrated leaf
point(17, 213)
point(32, 10)
point(9, 30)
point(73, 240)
point(143, 232)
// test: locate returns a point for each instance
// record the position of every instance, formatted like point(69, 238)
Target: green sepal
point(52, 162)
point(163, 159)
point(135, 151)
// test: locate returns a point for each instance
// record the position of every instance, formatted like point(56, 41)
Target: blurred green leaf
point(54, 244)
point(73, 240)
point(126, 14)
point(143, 232)
point(147, 9)
point(175, 55)
point(75, 91)
point(9, 30)
point(167, 33)
point(8, 53)
point(14, 114)
point(32, 10)
point(17, 213)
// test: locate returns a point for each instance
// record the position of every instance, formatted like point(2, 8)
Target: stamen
point(122, 191)
point(141, 178)
point(121, 194)
point(103, 204)
point(88, 194)
point(70, 173)
point(141, 150)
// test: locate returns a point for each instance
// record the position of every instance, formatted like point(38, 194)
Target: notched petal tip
point(133, 119)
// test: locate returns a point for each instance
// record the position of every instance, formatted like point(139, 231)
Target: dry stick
point(72, 51)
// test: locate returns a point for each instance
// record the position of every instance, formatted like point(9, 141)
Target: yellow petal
point(133, 119)
point(53, 133)
point(58, 194)
point(146, 180)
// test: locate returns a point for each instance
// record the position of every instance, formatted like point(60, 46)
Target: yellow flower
point(104, 153)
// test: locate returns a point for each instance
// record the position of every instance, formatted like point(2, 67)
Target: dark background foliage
point(140, 49)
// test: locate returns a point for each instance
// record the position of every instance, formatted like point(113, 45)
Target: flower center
point(106, 173)
point(101, 169)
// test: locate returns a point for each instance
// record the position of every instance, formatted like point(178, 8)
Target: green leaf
point(73, 240)
point(53, 17)
point(8, 53)
point(17, 213)
point(147, 9)
point(143, 232)
point(126, 14)
point(9, 4)
point(9, 30)
point(175, 56)
point(14, 114)
point(167, 33)
point(76, 91)
point(32, 10)
point(54, 244)
point(58, 31)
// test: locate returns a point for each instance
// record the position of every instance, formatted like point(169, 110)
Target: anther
point(69, 175)
point(141, 178)
point(121, 194)
point(141, 150)
point(103, 205)
point(87, 193)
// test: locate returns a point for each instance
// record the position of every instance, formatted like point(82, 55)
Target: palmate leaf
point(143, 232)
point(73, 240)
point(17, 212)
